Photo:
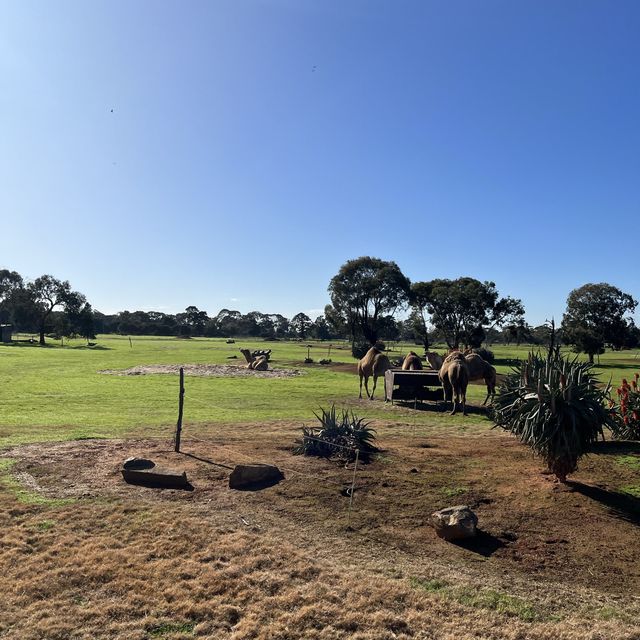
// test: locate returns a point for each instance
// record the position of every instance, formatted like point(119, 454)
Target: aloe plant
point(556, 406)
point(627, 413)
point(338, 436)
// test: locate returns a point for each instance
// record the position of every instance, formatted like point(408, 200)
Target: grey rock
point(455, 523)
point(249, 476)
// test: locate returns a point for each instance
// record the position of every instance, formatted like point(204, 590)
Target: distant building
point(6, 332)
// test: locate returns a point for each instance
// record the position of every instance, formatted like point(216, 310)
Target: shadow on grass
point(483, 544)
point(432, 407)
point(621, 505)
point(615, 447)
point(88, 347)
point(206, 460)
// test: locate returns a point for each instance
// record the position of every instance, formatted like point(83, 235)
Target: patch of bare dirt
point(213, 370)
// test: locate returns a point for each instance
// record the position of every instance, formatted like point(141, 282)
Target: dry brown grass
point(128, 562)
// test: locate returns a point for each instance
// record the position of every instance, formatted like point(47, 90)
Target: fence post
point(180, 407)
point(353, 486)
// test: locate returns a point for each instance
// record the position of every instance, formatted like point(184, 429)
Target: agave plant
point(338, 436)
point(556, 406)
point(627, 414)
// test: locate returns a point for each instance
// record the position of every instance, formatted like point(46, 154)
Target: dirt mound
point(214, 370)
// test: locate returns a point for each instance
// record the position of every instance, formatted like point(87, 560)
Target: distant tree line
point(366, 296)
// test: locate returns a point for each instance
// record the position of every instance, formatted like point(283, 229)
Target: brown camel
point(454, 377)
point(257, 364)
point(374, 363)
point(434, 359)
point(480, 369)
point(412, 362)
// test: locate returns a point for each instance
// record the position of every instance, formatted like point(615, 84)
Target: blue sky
point(255, 146)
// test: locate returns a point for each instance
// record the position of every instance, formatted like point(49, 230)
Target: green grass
point(629, 461)
point(9, 482)
point(479, 598)
point(157, 631)
point(56, 393)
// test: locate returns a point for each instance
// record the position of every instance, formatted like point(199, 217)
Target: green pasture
point(56, 392)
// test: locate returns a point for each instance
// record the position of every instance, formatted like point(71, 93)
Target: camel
point(374, 363)
point(454, 377)
point(480, 369)
point(412, 362)
point(257, 364)
point(434, 359)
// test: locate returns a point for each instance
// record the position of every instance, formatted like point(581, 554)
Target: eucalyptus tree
point(364, 290)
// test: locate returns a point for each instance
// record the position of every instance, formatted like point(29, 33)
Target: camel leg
point(366, 386)
point(488, 394)
point(454, 401)
point(446, 390)
point(375, 382)
point(360, 396)
point(464, 402)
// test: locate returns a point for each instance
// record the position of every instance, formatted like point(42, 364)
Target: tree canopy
point(595, 318)
point(461, 309)
point(364, 290)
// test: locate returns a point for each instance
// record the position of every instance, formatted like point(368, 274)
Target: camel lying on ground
point(412, 362)
point(454, 377)
point(257, 364)
point(374, 363)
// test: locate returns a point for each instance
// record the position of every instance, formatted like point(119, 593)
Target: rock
point(156, 477)
point(455, 523)
point(254, 476)
point(138, 463)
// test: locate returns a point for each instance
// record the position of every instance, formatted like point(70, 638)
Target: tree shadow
point(483, 543)
point(158, 485)
point(621, 505)
point(615, 447)
point(88, 347)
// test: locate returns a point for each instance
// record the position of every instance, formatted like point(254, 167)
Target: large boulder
point(455, 523)
point(254, 476)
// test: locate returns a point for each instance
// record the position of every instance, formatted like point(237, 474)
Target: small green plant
point(338, 436)
point(556, 406)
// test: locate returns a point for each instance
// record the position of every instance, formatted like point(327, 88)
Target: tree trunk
point(591, 358)
point(42, 342)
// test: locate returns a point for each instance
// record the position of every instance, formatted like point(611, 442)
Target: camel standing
point(374, 363)
point(480, 369)
point(454, 377)
point(412, 362)
point(434, 359)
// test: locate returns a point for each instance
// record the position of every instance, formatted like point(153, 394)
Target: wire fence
point(235, 454)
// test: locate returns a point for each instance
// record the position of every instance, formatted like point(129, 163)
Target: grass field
point(83, 555)
point(56, 393)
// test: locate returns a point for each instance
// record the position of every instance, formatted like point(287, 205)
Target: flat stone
point(138, 463)
point(156, 477)
point(455, 523)
point(250, 476)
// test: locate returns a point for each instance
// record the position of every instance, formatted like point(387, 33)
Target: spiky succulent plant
point(338, 436)
point(555, 405)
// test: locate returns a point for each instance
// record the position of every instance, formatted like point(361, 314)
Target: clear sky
point(234, 153)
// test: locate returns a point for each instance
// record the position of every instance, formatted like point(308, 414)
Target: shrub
point(334, 434)
point(555, 405)
point(485, 354)
point(360, 347)
point(627, 414)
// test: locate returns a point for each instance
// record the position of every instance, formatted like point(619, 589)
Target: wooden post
point(130, 343)
point(180, 407)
